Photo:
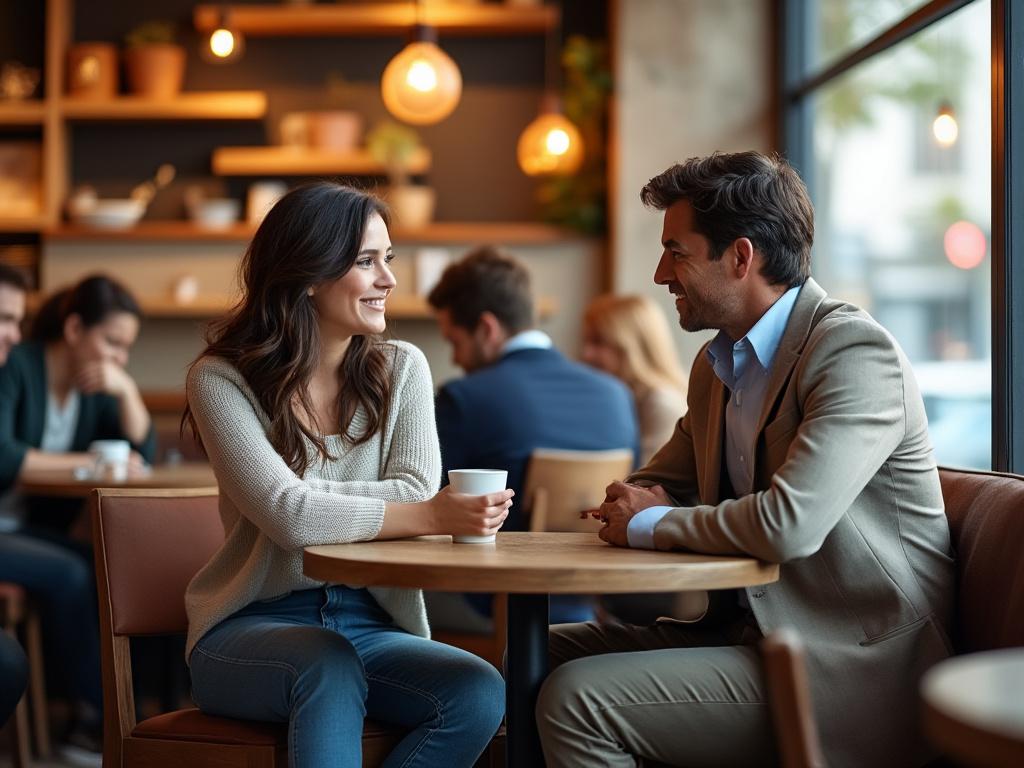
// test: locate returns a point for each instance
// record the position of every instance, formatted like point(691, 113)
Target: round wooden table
point(529, 566)
point(64, 483)
point(974, 707)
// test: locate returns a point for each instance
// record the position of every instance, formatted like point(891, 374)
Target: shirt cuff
point(640, 531)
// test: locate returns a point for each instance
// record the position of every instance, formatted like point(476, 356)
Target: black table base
point(526, 666)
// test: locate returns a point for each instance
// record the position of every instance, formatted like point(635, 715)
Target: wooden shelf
point(300, 161)
point(152, 230)
point(442, 232)
point(357, 19)
point(23, 224)
point(199, 105)
point(27, 112)
point(399, 307)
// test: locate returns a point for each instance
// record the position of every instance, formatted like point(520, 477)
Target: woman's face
point(108, 341)
point(353, 305)
point(599, 353)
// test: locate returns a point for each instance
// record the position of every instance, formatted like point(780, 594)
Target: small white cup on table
point(112, 457)
point(476, 482)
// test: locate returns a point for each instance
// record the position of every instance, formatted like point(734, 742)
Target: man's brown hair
point(744, 194)
point(13, 277)
point(486, 280)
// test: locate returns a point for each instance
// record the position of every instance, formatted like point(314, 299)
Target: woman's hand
point(461, 514)
point(105, 376)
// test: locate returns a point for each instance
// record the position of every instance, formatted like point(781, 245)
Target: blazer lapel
point(715, 438)
point(801, 321)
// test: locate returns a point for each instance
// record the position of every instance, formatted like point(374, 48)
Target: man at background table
point(57, 578)
point(519, 394)
point(805, 443)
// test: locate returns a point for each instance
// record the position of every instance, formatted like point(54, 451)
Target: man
point(13, 288)
point(519, 393)
point(805, 444)
point(59, 580)
point(13, 665)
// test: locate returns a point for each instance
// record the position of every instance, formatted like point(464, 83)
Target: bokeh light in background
point(944, 127)
point(965, 245)
point(550, 145)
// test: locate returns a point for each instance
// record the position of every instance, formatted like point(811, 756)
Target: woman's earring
point(309, 291)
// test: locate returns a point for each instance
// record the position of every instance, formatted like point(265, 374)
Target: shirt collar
point(764, 338)
point(532, 339)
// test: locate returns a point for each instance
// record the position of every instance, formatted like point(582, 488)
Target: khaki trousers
point(670, 693)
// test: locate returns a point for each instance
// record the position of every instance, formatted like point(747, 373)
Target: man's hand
point(622, 502)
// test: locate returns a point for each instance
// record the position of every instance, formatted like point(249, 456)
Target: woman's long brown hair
point(311, 236)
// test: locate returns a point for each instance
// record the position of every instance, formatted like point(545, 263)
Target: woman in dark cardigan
point(72, 369)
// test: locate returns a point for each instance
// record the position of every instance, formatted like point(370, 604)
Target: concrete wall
point(692, 77)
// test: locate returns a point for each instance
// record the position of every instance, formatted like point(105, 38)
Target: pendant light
point(550, 145)
point(422, 84)
point(225, 43)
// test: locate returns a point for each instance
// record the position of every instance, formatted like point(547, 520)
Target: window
point(904, 225)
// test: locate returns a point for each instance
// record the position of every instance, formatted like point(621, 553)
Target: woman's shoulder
point(662, 400)
point(405, 356)
point(213, 373)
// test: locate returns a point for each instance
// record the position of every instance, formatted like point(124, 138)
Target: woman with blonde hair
point(628, 337)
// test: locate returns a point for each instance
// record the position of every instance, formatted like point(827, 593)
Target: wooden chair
point(559, 484)
point(790, 700)
point(17, 613)
point(985, 511)
point(149, 544)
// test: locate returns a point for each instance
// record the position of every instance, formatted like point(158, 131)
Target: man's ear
point(490, 330)
point(743, 256)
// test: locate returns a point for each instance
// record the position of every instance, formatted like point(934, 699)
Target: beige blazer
point(847, 499)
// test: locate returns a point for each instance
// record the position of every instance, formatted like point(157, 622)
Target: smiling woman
point(320, 432)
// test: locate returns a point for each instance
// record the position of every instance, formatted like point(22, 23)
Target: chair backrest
point(986, 523)
point(789, 695)
point(559, 484)
point(148, 546)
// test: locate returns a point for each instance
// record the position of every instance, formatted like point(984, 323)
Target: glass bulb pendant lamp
point(551, 144)
point(225, 43)
point(422, 84)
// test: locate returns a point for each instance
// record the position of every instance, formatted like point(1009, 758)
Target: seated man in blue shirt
point(519, 394)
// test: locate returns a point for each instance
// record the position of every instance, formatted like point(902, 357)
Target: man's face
point(469, 351)
point(12, 311)
point(701, 286)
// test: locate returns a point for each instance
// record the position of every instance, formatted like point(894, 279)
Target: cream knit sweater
point(269, 513)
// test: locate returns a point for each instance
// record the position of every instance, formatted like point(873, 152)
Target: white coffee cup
point(112, 458)
point(476, 482)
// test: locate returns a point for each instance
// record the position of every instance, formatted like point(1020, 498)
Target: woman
point(318, 433)
point(627, 336)
point(68, 385)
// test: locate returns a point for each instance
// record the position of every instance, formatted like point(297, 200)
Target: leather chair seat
point(193, 725)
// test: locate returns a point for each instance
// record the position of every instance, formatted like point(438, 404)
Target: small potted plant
point(336, 129)
point(154, 62)
point(394, 146)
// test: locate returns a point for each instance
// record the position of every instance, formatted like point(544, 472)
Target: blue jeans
point(323, 659)
point(61, 582)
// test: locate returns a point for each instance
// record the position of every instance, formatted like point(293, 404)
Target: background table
point(59, 482)
point(974, 707)
point(529, 566)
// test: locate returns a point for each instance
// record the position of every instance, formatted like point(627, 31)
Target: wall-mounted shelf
point(358, 19)
point(301, 161)
point(153, 231)
point(23, 224)
point(439, 233)
point(210, 105)
point(399, 307)
point(28, 112)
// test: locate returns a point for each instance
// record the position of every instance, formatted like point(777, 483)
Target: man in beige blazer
point(805, 443)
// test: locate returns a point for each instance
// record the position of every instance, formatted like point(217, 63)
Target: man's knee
point(567, 694)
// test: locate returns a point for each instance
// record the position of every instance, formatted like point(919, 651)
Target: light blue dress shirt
point(744, 367)
point(532, 339)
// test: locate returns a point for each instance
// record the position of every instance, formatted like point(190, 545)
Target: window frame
point(796, 84)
